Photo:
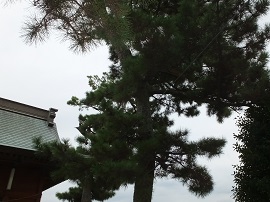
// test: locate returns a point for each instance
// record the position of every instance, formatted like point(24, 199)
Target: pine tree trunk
point(144, 181)
point(87, 191)
point(145, 178)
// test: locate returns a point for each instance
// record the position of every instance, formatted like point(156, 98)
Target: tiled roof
point(17, 129)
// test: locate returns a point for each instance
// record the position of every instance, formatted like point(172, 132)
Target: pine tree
point(74, 194)
point(75, 164)
point(169, 56)
point(116, 140)
point(252, 175)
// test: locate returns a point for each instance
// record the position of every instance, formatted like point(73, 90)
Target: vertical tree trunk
point(145, 177)
point(87, 191)
point(144, 183)
point(144, 180)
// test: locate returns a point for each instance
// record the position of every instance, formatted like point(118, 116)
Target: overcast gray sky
point(48, 74)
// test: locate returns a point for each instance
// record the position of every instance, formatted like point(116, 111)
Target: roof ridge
point(28, 110)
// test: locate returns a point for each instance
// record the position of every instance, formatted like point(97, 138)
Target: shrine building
point(23, 176)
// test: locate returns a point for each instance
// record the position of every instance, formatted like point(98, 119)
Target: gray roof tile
point(18, 130)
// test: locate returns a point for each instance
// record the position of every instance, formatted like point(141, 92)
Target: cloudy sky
point(48, 74)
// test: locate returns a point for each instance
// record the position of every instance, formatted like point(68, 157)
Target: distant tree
point(74, 194)
point(75, 164)
point(169, 56)
point(252, 175)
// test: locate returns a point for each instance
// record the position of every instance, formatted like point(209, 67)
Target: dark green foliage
point(116, 142)
point(252, 175)
point(168, 56)
point(77, 165)
point(74, 194)
point(178, 160)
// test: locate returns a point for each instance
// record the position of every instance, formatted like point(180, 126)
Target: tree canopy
point(76, 165)
point(252, 176)
point(168, 56)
